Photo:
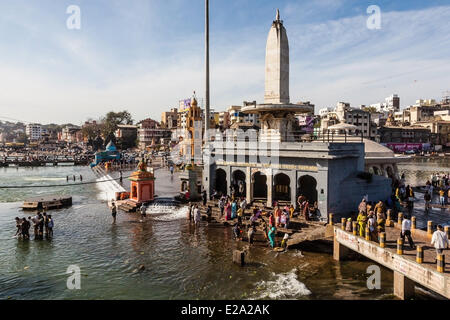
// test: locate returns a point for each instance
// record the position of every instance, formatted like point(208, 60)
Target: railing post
point(354, 228)
point(419, 256)
point(367, 233)
point(389, 216)
point(441, 263)
point(400, 246)
point(430, 229)
point(331, 219)
point(383, 240)
point(343, 222)
point(400, 219)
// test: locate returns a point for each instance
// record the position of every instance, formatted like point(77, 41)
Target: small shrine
point(110, 154)
point(142, 184)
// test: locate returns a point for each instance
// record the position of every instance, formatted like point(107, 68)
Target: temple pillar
point(229, 176)
point(293, 186)
point(249, 185)
point(403, 287)
point(269, 188)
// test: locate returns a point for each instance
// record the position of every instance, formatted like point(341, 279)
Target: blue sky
point(144, 56)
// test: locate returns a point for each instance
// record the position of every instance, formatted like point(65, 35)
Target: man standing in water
point(197, 216)
point(50, 225)
point(25, 229)
point(143, 212)
point(113, 211)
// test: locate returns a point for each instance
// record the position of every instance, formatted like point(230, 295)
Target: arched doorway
point(239, 183)
point(259, 186)
point(221, 181)
point(307, 186)
point(282, 187)
point(376, 171)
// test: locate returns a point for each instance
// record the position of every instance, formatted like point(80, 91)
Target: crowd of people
point(236, 209)
point(440, 183)
point(42, 225)
point(372, 219)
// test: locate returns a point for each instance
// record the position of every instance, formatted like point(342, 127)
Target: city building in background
point(33, 131)
point(150, 133)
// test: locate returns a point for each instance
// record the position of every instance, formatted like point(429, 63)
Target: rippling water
point(180, 262)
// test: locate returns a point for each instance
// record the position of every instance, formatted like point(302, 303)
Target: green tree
point(112, 120)
point(370, 109)
point(91, 131)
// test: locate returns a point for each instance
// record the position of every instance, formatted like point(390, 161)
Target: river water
point(180, 261)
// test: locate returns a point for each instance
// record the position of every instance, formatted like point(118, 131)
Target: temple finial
point(278, 15)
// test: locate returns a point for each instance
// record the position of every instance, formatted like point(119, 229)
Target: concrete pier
point(407, 271)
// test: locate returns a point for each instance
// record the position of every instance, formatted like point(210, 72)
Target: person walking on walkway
point(363, 206)
point(439, 240)
point(406, 231)
point(362, 220)
point(442, 197)
point(427, 198)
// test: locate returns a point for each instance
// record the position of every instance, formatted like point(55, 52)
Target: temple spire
point(277, 18)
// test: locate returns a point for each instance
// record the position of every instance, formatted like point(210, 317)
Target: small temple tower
point(277, 114)
point(142, 184)
point(277, 64)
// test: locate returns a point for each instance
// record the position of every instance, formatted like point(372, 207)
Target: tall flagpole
point(207, 168)
point(207, 106)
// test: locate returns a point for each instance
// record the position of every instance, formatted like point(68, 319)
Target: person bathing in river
point(113, 211)
point(251, 233)
point(233, 209)
point(271, 220)
point(222, 205)
point(236, 231)
point(143, 210)
point(228, 211)
point(271, 237)
point(197, 216)
point(18, 226)
point(25, 228)
point(50, 225)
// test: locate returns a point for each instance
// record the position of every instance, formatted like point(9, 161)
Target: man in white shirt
point(406, 231)
point(439, 240)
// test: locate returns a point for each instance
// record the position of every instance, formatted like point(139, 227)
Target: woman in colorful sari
point(272, 237)
point(362, 220)
point(228, 211)
point(233, 210)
